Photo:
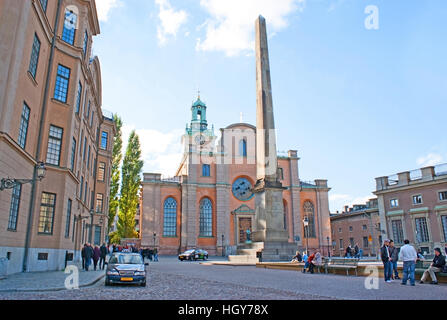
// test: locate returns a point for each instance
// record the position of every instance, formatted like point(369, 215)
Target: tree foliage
point(117, 156)
point(130, 187)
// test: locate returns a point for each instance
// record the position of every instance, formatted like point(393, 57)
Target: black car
point(193, 255)
point(128, 268)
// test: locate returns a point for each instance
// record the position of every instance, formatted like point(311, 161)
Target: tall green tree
point(130, 187)
point(117, 156)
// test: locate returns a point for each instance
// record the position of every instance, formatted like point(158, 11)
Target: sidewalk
point(47, 281)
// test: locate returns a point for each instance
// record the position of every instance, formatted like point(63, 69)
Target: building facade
point(210, 203)
point(50, 111)
point(413, 206)
point(358, 225)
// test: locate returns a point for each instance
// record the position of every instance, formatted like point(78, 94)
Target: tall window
point(69, 31)
point(23, 130)
point(341, 244)
point(85, 149)
point(101, 171)
point(78, 98)
point(309, 212)
point(442, 195)
point(206, 170)
point(85, 43)
point(394, 203)
point(398, 232)
point(97, 235)
point(243, 148)
point(444, 226)
point(170, 218)
point(68, 221)
point(34, 61)
point(81, 188)
point(88, 157)
point(85, 193)
point(104, 140)
point(46, 216)
point(365, 242)
point(206, 218)
point(421, 230)
point(62, 80)
point(73, 154)
point(91, 118)
point(54, 145)
point(99, 202)
point(44, 4)
point(14, 208)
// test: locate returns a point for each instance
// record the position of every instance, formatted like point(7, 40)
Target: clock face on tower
point(200, 139)
point(242, 189)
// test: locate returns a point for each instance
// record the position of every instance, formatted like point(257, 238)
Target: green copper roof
point(199, 103)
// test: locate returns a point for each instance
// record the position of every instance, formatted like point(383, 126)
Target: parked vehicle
point(128, 268)
point(193, 255)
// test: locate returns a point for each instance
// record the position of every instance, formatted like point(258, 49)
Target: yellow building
point(50, 111)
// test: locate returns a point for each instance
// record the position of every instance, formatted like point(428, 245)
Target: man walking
point(103, 254)
point(386, 259)
point(88, 256)
point(436, 266)
point(394, 253)
point(83, 256)
point(409, 256)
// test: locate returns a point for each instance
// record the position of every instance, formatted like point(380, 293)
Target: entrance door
point(244, 224)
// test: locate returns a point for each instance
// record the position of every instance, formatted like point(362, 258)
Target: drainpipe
point(39, 138)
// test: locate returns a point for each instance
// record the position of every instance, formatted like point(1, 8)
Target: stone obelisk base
point(269, 228)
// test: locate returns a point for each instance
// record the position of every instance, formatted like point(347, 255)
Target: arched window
point(206, 218)
point(170, 218)
point(309, 212)
point(243, 148)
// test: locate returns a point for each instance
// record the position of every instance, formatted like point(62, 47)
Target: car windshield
point(189, 251)
point(126, 259)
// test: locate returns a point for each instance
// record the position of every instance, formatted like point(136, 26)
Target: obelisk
point(269, 219)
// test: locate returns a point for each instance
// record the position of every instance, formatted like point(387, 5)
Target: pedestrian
point(409, 256)
point(150, 254)
point(297, 257)
point(386, 259)
point(348, 252)
point(306, 261)
point(394, 253)
point(104, 251)
point(436, 266)
point(155, 255)
point(96, 256)
point(88, 256)
point(310, 261)
point(356, 250)
point(83, 256)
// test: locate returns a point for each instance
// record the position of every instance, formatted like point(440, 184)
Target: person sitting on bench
point(436, 266)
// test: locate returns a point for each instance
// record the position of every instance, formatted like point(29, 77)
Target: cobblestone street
point(173, 280)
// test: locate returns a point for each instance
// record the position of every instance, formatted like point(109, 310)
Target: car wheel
point(143, 284)
point(205, 258)
point(107, 283)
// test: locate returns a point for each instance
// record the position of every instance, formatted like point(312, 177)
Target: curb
point(55, 289)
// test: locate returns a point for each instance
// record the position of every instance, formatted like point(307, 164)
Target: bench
point(342, 264)
point(423, 265)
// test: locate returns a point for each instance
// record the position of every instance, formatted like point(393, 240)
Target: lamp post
point(328, 247)
point(155, 235)
point(8, 183)
point(306, 232)
point(92, 213)
point(223, 253)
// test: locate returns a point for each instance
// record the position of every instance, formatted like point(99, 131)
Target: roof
point(199, 103)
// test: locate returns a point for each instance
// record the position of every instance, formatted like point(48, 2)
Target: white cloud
point(161, 152)
point(104, 6)
point(170, 21)
point(231, 26)
point(430, 159)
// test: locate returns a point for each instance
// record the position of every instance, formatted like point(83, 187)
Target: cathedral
point(210, 202)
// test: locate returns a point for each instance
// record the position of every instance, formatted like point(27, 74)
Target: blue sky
point(356, 103)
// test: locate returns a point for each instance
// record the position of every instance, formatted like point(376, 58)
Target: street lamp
point(328, 250)
point(12, 183)
point(306, 233)
point(223, 237)
point(155, 235)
